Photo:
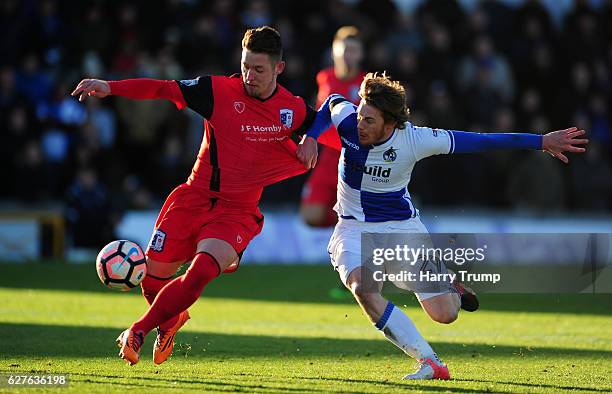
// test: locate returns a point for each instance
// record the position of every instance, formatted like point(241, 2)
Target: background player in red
point(251, 128)
point(319, 193)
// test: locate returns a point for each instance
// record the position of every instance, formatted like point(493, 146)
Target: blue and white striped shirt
point(373, 180)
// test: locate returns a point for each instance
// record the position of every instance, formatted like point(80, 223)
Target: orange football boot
point(162, 349)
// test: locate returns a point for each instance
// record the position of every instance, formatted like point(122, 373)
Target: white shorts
point(345, 252)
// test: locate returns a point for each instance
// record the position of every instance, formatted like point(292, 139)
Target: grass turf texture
point(275, 329)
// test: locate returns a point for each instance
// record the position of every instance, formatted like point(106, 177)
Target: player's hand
point(307, 152)
point(91, 87)
point(560, 141)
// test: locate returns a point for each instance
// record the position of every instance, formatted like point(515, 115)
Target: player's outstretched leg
point(151, 285)
point(396, 326)
point(174, 298)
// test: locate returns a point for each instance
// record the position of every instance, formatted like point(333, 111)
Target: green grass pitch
point(275, 329)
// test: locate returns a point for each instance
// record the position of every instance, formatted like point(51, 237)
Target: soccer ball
point(121, 265)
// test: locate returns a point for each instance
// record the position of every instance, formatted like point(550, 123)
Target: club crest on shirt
point(286, 117)
point(435, 132)
point(158, 240)
point(390, 155)
point(239, 106)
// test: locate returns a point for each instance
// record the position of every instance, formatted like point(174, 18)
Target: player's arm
point(556, 142)
point(193, 93)
point(426, 141)
point(335, 110)
point(140, 88)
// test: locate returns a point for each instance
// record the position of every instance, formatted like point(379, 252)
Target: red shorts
point(190, 215)
point(321, 187)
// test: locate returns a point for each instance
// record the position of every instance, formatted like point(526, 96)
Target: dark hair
point(388, 96)
point(347, 32)
point(264, 39)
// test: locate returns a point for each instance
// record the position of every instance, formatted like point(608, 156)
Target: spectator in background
point(445, 13)
point(257, 13)
point(494, 18)
point(32, 82)
point(500, 78)
point(30, 177)
point(600, 121)
point(88, 210)
point(529, 174)
point(582, 34)
point(437, 57)
point(529, 107)
point(561, 50)
point(406, 69)
point(18, 126)
point(532, 13)
point(104, 121)
point(592, 193)
point(441, 111)
point(482, 98)
point(404, 35)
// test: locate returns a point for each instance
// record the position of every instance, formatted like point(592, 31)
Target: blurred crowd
point(468, 65)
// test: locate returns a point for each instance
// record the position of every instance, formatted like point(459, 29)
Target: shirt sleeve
point(309, 119)
point(334, 110)
point(429, 142)
point(343, 115)
point(467, 142)
point(147, 88)
point(198, 94)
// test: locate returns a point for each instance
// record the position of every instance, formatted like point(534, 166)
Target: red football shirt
point(248, 143)
point(328, 84)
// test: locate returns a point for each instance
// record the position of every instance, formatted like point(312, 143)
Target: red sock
point(151, 285)
point(179, 294)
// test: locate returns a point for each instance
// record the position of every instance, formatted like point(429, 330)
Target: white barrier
point(19, 240)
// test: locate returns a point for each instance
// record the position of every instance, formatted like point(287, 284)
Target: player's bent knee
point(443, 314)
point(314, 215)
point(220, 250)
point(446, 317)
point(162, 270)
point(441, 309)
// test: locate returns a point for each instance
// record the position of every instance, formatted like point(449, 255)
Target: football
point(121, 265)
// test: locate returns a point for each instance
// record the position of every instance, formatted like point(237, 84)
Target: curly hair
point(387, 95)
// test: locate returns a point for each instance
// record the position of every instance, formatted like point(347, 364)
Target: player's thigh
point(344, 249)
point(228, 235)
point(443, 308)
point(220, 250)
point(176, 226)
point(162, 270)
